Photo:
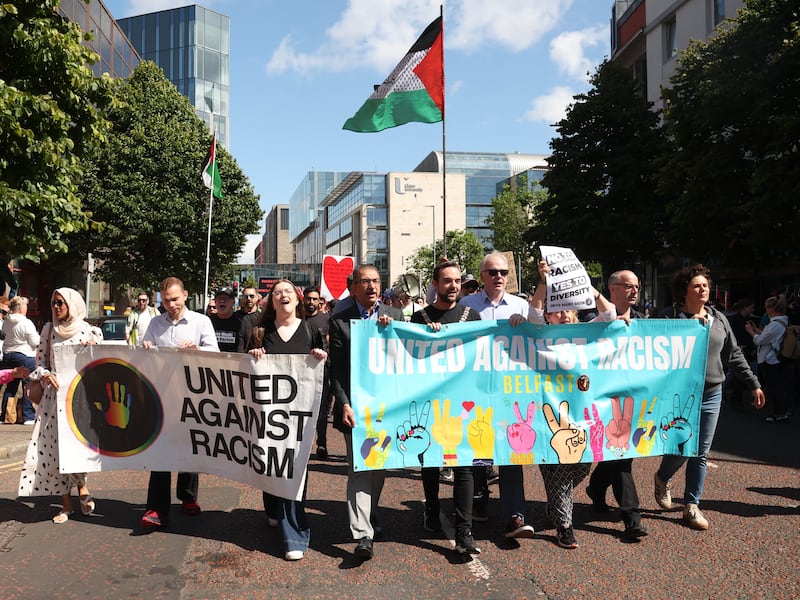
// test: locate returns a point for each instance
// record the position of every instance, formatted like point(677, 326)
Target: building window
point(670, 38)
point(716, 12)
point(376, 217)
point(285, 219)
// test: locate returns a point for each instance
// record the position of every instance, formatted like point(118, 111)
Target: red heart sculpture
point(468, 406)
point(335, 273)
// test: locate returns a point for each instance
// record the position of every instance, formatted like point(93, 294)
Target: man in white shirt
point(178, 327)
point(494, 303)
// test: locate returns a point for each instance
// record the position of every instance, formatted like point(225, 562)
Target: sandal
point(62, 517)
point(87, 504)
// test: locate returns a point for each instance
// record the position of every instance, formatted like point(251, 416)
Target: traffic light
point(236, 288)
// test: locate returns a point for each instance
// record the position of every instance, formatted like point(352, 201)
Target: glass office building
point(192, 45)
point(483, 172)
point(117, 57)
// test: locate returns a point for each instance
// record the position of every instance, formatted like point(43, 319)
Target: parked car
point(113, 329)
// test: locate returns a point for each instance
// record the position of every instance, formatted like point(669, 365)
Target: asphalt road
point(752, 549)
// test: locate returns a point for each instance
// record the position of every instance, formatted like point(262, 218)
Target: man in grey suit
point(363, 487)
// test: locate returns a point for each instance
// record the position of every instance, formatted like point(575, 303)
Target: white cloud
point(377, 34)
point(552, 107)
point(568, 50)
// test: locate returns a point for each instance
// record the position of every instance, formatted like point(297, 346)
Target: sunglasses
point(248, 295)
point(496, 272)
point(58, 303)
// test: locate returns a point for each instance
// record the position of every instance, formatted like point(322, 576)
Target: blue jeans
point(292, 520)
point(18, 359)
point(696, 466)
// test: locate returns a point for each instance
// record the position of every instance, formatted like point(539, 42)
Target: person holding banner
point(560, 479)
point(624, 292)
point(181, 328)
point(447, 281)
point(40, 472)
point(283, 329)
point(363, 487)
point(494, 303)
point(690, 288)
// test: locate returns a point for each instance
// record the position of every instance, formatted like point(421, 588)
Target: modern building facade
point(192, 45)
point(275, 246)
point(648, 35)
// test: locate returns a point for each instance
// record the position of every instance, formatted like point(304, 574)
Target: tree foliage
point(732, 110)
point(145, 186)
point(513, 214)
point(50, 117)
point(463, 247)
point(601, 185)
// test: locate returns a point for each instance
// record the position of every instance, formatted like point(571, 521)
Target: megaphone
point(407, 284)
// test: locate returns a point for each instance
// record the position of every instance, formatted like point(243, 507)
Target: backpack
point(789, 348)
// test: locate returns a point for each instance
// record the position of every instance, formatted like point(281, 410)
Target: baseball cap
point(228, 291)
point(470, 281)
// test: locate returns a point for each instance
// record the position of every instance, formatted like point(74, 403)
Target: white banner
point(167, 409)
point(568, 284)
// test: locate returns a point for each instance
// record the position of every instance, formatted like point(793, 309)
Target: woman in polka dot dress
point(40, 476)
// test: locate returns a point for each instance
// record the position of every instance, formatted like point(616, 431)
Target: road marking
point(475, 566)
point(11, 467)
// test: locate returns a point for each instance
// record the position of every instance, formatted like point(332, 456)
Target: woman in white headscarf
point(40, 476)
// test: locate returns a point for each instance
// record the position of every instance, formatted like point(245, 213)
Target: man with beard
point(226, 322)
point(446, 309)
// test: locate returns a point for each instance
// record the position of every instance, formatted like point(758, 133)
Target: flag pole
point(210, 212)
point(444, 149)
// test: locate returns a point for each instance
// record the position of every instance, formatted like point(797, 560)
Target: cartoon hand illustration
point(644, 436)
point(480, 435)
point(375, 448)
point(675, 428)
point(596, 432)
point(521, 436)
point(118, 413)
point(448, 431)
point(412, 436)
point(618, 430)
point(568, 440)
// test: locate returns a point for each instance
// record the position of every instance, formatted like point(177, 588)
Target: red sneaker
point(151, 521)
point(191, 507)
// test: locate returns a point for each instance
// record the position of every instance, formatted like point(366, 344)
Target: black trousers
point(617, 474)
point(463, 487)
point(158, 496)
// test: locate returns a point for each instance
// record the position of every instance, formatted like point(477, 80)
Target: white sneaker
point(29, 422)
point(694, 518)
point(294, 555)
point(662, 493)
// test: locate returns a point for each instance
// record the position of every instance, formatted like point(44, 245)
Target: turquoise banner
point(486, 393)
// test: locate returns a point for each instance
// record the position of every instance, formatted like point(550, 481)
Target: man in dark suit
point(363, 487)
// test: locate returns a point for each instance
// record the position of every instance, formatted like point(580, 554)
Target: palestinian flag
point(414, 91)
point(211, 178)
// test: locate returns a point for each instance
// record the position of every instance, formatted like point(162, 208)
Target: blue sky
point(300, 68)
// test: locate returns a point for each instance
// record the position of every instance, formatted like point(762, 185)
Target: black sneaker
point(632, 532)
point(598, 501)
point(364, 549)
point(431, 521)
point(465, 544)
point(322, 453)
point(492, 476)
point(566, 537)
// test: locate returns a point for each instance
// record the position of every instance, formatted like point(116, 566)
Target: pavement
point(752, 549)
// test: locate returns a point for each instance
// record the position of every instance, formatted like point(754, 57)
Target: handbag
point(34, 392)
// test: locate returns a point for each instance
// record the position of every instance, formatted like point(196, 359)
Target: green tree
point(601, 184)
point(734, 177)
point(513, 213)
point(463, 247)
point(50, 117)
point(145, 186)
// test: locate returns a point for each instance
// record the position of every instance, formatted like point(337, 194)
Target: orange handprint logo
point(118, 412)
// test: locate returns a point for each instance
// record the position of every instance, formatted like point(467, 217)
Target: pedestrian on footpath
point(178, 327)
point(40, 472)
point(20, 343)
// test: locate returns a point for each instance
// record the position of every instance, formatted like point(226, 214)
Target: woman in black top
point(282, 330)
